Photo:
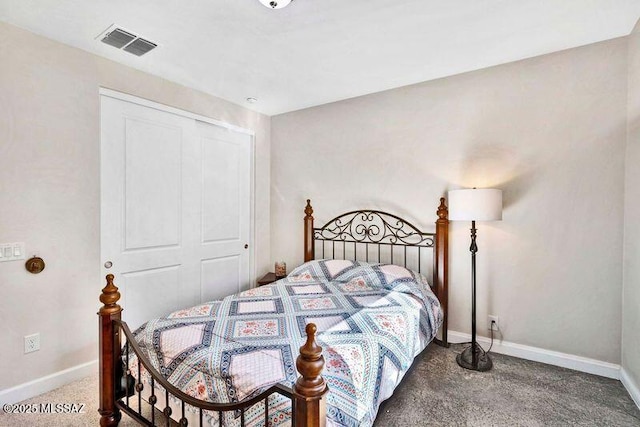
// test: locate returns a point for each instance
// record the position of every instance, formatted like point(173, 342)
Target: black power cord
point(491, 329)
point(490, 345)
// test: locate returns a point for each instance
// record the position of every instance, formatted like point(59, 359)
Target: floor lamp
point(474, 205)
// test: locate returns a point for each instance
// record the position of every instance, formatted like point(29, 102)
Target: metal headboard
point(370, 228)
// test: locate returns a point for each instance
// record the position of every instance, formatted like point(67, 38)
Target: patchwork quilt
point(372, 320)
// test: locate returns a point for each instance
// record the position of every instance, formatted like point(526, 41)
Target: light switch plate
point(12, 251)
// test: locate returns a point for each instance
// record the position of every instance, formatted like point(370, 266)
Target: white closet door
point(169, 242)
point(225, 188)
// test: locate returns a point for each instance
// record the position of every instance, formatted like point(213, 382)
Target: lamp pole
point(473, 248)
point(473, 357)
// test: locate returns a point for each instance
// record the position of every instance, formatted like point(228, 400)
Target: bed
point(359, 315)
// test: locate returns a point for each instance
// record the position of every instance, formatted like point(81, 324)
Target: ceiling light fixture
point(252, 100)
point(275, 4)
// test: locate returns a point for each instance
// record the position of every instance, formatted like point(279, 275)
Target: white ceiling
point(318, 51)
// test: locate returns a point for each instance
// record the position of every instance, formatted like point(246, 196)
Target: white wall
point(549, 131)
point(50, 192)
point(631, 294)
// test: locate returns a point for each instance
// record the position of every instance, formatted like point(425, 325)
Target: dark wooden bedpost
point(309, 245)
point(109, 353)
point(310, 390)
point(441, 264)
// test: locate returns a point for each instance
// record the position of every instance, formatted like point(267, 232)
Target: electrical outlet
point(31, 343)
point(493, 323)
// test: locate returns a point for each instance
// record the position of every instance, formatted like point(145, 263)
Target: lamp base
point(465, 359)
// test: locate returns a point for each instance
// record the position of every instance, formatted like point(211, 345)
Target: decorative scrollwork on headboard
point(370, 226)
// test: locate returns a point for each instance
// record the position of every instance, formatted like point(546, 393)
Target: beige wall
point(550, 131)
point(50, 192)
point(631, 294)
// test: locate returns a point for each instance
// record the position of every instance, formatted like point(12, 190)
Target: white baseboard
point(632, 387)
point(47, 383)
point(578, 363)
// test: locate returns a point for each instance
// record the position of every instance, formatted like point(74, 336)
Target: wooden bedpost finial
point(310, 363)
point(308, 210)
point(109, 297)
point(309, 245)
point(443, 211)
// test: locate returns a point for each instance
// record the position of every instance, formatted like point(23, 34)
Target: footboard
point(121, 390)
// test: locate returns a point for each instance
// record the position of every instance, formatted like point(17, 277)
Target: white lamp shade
point(471, 204)
point(275, 4)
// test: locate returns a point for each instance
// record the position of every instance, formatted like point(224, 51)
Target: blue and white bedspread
point(372, 320)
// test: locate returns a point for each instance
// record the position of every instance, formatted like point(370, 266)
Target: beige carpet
point(437, 392)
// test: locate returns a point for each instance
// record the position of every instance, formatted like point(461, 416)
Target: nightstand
point(267, 278)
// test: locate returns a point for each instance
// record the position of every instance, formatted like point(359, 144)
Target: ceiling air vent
point(140, 46)
point(118, 38)
point(126, 40)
